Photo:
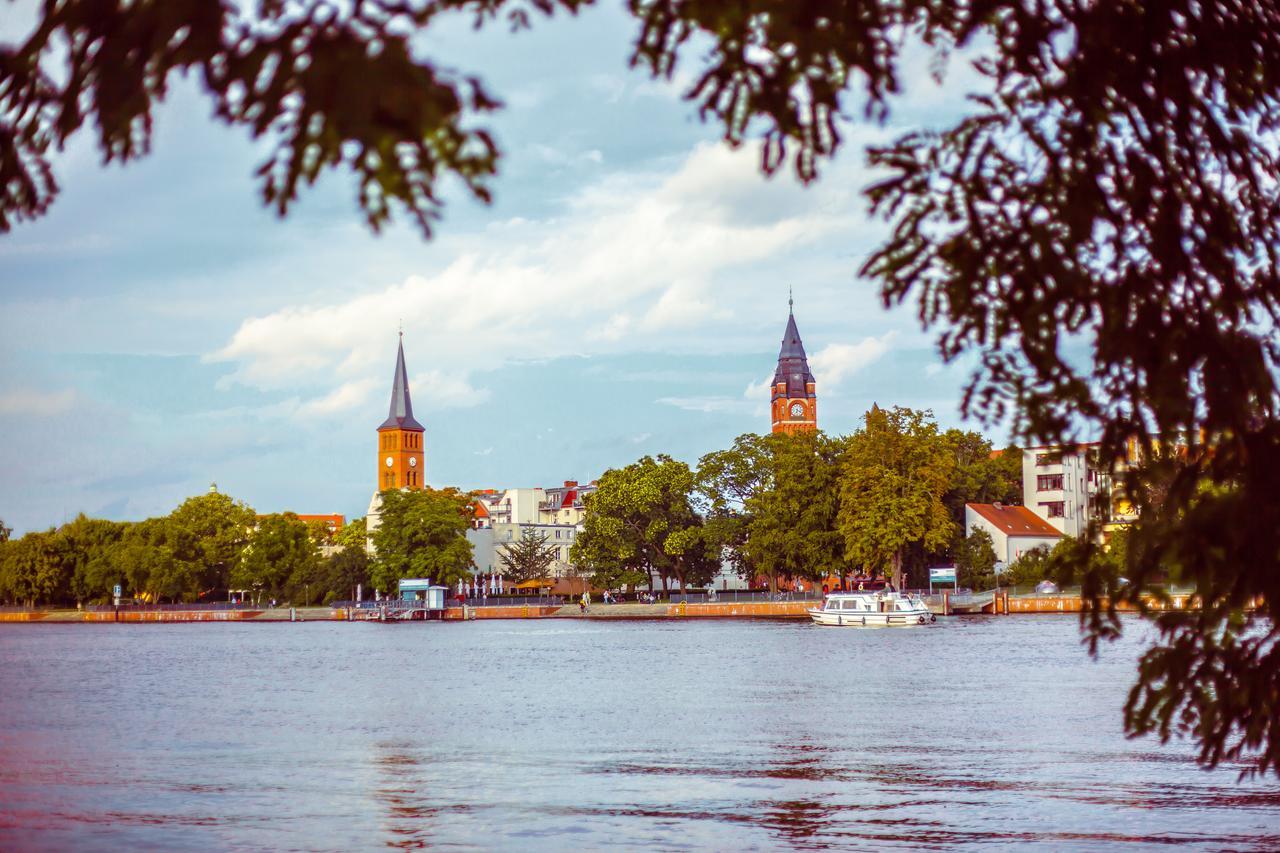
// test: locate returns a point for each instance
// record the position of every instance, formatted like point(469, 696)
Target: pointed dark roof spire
point(401, 414)
point(793, 364)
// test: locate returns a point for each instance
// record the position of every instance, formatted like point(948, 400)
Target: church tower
point(795, 403)
point(400, 437)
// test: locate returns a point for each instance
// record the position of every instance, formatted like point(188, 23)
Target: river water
point(551, 734)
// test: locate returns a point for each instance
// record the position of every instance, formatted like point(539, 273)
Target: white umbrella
point(459, 586)
point(501, 587)
point(493, 584)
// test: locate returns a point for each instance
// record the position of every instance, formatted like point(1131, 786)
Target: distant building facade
point(1014, 530)
point(1064, 485)
point(504, 515)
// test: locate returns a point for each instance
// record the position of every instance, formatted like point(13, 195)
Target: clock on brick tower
point(794, 401)
point(400, 437)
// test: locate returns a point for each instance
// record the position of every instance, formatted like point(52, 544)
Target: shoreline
point(1003, 606)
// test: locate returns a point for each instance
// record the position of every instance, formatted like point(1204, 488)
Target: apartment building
point(1064, 486)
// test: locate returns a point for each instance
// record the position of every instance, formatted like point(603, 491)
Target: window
point(389, 480)
point(1053, 457)
point(1053, 509)
point(1048, 482)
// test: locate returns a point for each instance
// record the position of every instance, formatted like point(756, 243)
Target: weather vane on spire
point(402, 327)
point(791, 302)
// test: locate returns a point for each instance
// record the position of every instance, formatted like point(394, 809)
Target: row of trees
point(209, 544)
point(888, 499)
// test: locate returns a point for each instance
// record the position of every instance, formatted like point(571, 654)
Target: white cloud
point(23, 401)
point(633, 261)
point(349, 395)
point(439, 390)
point(834, 362)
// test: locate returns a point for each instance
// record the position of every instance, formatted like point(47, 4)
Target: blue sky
point(625, 294)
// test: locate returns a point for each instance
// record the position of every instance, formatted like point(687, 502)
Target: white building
point(1064, 487)
point(487, 543)
point(1014, 530)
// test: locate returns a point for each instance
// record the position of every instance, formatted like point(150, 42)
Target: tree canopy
point(792, 529)
point(641, 520)
point(422, 534)
point(282, 548)
point(897, 471)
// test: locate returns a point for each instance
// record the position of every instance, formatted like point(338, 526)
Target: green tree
point(33, 570)
point(792, 529)
point(144, 558)
point(725, 481)
point(206, 535)
point(527, 558)
point(640, 520)
point(976, 561)
point(898, 468)
point(422, 533)
point(343, 572)
point(1028, 569)
point(281, 548)
point(354, 534)
point(86, 545)
point(980, 477)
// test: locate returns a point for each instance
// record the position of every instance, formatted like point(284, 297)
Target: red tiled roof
point(1015, 520)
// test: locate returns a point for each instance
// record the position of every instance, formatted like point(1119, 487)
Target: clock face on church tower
point(390, 461)
point(796, 410)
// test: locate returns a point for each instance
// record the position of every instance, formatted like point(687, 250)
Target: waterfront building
point(793, 394)
point(1014, 530)
point(1065, 486)
point(487, 543)
point(400, 456)
point(505, 515)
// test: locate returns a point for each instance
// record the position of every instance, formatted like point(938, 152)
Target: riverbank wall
point(1002, 604)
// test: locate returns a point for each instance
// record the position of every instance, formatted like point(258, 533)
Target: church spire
point(401, 413)
point(794, 397)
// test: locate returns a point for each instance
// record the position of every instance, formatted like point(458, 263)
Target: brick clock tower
point(795, 402)
point(400, 437)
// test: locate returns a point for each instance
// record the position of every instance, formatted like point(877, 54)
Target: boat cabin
point(868, 604)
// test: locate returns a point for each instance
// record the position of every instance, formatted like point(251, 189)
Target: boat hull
point(853, 619)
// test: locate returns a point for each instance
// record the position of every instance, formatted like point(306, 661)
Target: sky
point(625, 294)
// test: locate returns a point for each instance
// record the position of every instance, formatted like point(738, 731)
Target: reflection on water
point(548, 735)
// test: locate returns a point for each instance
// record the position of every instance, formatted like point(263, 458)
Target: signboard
point(946, 574)
point(115, 590)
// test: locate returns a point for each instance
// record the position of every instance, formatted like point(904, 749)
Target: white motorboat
point(872, 610)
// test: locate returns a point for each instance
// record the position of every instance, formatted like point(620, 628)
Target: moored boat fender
point(921, 618)
point(933, 617)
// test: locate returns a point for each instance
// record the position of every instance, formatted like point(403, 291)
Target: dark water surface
point(558, 734)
